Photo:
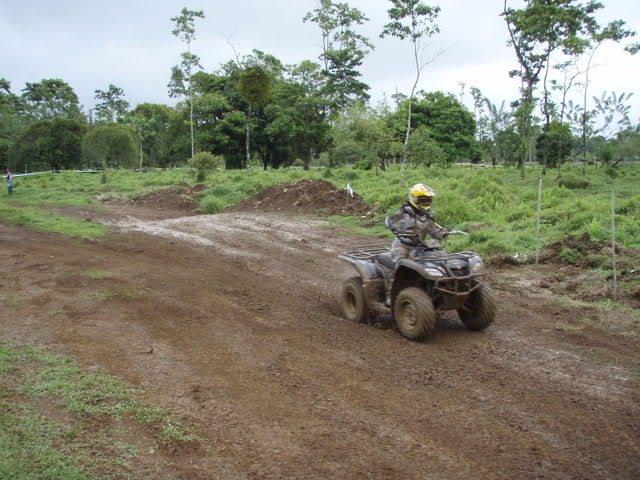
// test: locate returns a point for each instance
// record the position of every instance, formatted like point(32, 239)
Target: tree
point(310, 128)
point(109, 146)
point(254, 87)
point(415, 21)
point(343, 51)
point(613, 31)
point(628, 145)
point(51, 98)
point(162, 132)
point(449, 123)
point(111, 105)
point(536, 31)
point(49, 145)
point(498, 121)
point(423, 150)
point(13, 122)
point(554, 145)
point(613, 111)
point(180, 84)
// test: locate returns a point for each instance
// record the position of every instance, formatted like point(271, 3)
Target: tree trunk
point(247, 142)
point(307, 162)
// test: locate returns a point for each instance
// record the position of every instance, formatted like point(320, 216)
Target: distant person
point(413, 222)
point(9, 176)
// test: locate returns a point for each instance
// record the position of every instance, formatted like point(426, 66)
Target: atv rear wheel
point(479, 309)
point(414, 314)
point(354, 303)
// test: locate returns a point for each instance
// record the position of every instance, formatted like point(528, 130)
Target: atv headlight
point(476, 265)
point(433, 272)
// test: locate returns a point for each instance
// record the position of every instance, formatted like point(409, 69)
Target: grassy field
point(69, 447)
point(497, 207)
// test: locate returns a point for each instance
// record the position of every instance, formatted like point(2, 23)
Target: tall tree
point(499, 121)
point(162, 131)
point(613, 112)
point(13, 122)
point(49, 145)
point(412, 20)
point(449, 123)
point(109, 145)
point(536, 31)
point(343, 52)
point(181, 75)
point(254, 87)
point(111, 105)
point(613, 31)
point(310, 128)
point(51, 98)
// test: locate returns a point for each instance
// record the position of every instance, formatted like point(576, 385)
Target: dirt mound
point(578, 250)
point(179, 198)
point(307, 196)
point(584, 253)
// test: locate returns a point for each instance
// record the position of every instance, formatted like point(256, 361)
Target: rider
point(413, 222)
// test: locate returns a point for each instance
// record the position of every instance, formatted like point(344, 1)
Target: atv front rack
point(367, 252)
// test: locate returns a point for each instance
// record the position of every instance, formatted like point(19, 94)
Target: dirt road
point(248, 345)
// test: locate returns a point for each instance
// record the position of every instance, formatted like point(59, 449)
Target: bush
point(204, 162)
point(364, 164)
point(568, 255)
point(574, 183)
point(211, 204)
point(612, 172)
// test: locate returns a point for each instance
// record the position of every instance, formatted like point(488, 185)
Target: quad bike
point(415, 290)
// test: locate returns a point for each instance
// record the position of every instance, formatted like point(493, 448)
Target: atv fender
point(408, 274)
point(372, 282)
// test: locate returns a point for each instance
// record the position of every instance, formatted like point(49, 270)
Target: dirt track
point(249, 346)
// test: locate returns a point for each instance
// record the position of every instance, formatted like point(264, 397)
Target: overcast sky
point(92, 44)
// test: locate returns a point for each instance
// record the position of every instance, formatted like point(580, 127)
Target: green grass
point(41, 220)
point(498, 207)
point(34, 446)
point(97, 274)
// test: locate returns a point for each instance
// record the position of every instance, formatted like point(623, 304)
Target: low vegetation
point(69, 445)
point(496, 206)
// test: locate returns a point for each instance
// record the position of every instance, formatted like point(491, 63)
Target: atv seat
point(385, 260)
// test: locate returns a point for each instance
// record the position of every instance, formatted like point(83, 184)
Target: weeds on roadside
point(33, 446)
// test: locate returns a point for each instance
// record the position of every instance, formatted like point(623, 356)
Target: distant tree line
point(255, 110)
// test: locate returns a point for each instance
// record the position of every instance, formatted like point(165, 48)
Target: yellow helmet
point(420, 196)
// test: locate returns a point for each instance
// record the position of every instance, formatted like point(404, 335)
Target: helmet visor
point(423, 201)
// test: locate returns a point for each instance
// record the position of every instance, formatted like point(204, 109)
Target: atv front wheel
point(414, 314)
point(479, 309)
point(354, 303)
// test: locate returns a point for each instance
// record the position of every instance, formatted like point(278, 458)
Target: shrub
point(574, 183)
point(568, 255)
point(364, 164)
point(211, 204)
point(204, 162)
point(612, 172)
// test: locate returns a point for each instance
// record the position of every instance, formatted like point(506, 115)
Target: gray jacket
point(412, 226)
